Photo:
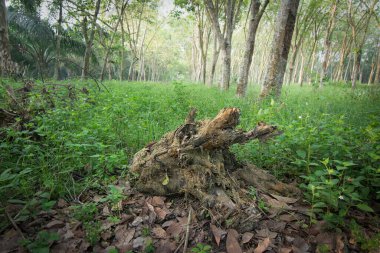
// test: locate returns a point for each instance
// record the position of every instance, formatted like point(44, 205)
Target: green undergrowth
point(330, 141)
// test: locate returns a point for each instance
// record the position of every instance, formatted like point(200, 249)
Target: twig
point(14, 224)
point(187, 231)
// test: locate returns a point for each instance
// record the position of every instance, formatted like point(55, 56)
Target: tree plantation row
point(215, 42)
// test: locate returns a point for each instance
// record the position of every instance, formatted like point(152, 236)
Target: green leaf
point(364, 207)
point(166, 180)
point(301, 153)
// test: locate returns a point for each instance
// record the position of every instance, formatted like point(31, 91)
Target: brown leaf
point(217, 232)
point(167, 223)
point(161, 213)
point(55, 224)
point(166, 246)
point(264, 233)
point(158, 201)
point(288, 217)
point(174, 229)
point(246, 237)
point(9, 241)
point(339, 244)
point(61, 203)
point(232, 243)
point(285, 250)
point(106, 211)
point(159, 232)
point(263, 245)
point(299, 245)
point(123, 236)
point(286, 200)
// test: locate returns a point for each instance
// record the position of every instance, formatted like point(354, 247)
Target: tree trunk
point(122, 53)
point(195, 159)
point(327, 43)
point(232, 11)
point(88, 51)
point(377, 76)
point(280, 48)
point(256, 14)
point(355, 68)
point(57, 72)
point(5, 52)
point(300, 78)
point(215, 57)
point(108, 50)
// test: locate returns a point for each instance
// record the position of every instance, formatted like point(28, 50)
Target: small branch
point(187, 231)
point(14, 224)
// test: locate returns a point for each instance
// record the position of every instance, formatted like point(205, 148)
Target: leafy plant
point(42, 242)
point(201, 248)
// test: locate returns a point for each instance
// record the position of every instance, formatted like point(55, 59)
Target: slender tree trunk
point(232, 11)
point(256, 14)
point(300, 78)
point(57, 75)
point(370, 78)
point(215, 57)
point(347, 68)
point(356, 68)
point(327, 42)
point(122, 53)
point(108, 50)
point(377, 76)
point(5, 52)
point(342, 57)
point(87, 53)
point(280, 48)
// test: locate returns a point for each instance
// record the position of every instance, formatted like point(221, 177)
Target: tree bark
point(280, 48)
point(232, 9)
point(88, 51)
point(256, 14)
point(215, 57)
point(57, 72)
point(108, 50)
point(377, 76)
point(327, 42)
point(5, 52)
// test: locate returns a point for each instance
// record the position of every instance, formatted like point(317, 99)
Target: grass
point(89, 143)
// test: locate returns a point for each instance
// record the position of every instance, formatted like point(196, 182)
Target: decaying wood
point(195, 159)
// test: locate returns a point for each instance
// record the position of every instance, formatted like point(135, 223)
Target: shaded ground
point(142, 223)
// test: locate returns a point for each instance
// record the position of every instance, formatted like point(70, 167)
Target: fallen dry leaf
point(299, 245)
point(339, 244)
point(167, 223)
point(174, 229)
point(159, 232)
point(286, 200)
point(263, 245)
point(158, 201)
point(264, 233)
point(232, 243)
point(217, 232)
point(285, 250)
point(161, 213)
point(246, 237)
point(123, 236)
point(55, 224)
point(166, 246)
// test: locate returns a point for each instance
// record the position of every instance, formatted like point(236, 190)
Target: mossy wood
point(195, 159)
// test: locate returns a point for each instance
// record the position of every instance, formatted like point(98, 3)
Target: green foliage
point(201, 248)
point(82, 145)
point(370, 244)
point(93, 230)
point(85, 212)
point(42, 242)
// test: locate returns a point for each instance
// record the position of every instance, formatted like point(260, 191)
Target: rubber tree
point(4, 37)
point(232, 10)
point(282, 39)
point(255, 16)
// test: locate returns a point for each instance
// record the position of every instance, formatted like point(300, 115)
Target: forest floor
point(65, 184)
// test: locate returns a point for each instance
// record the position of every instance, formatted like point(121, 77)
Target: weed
point(201, 248)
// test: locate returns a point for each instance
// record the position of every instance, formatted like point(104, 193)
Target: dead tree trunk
point(195, 159)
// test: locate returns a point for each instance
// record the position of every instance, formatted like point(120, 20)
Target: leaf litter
point(161, 223)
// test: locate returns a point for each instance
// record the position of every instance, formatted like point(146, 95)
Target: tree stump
point(195, 159)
